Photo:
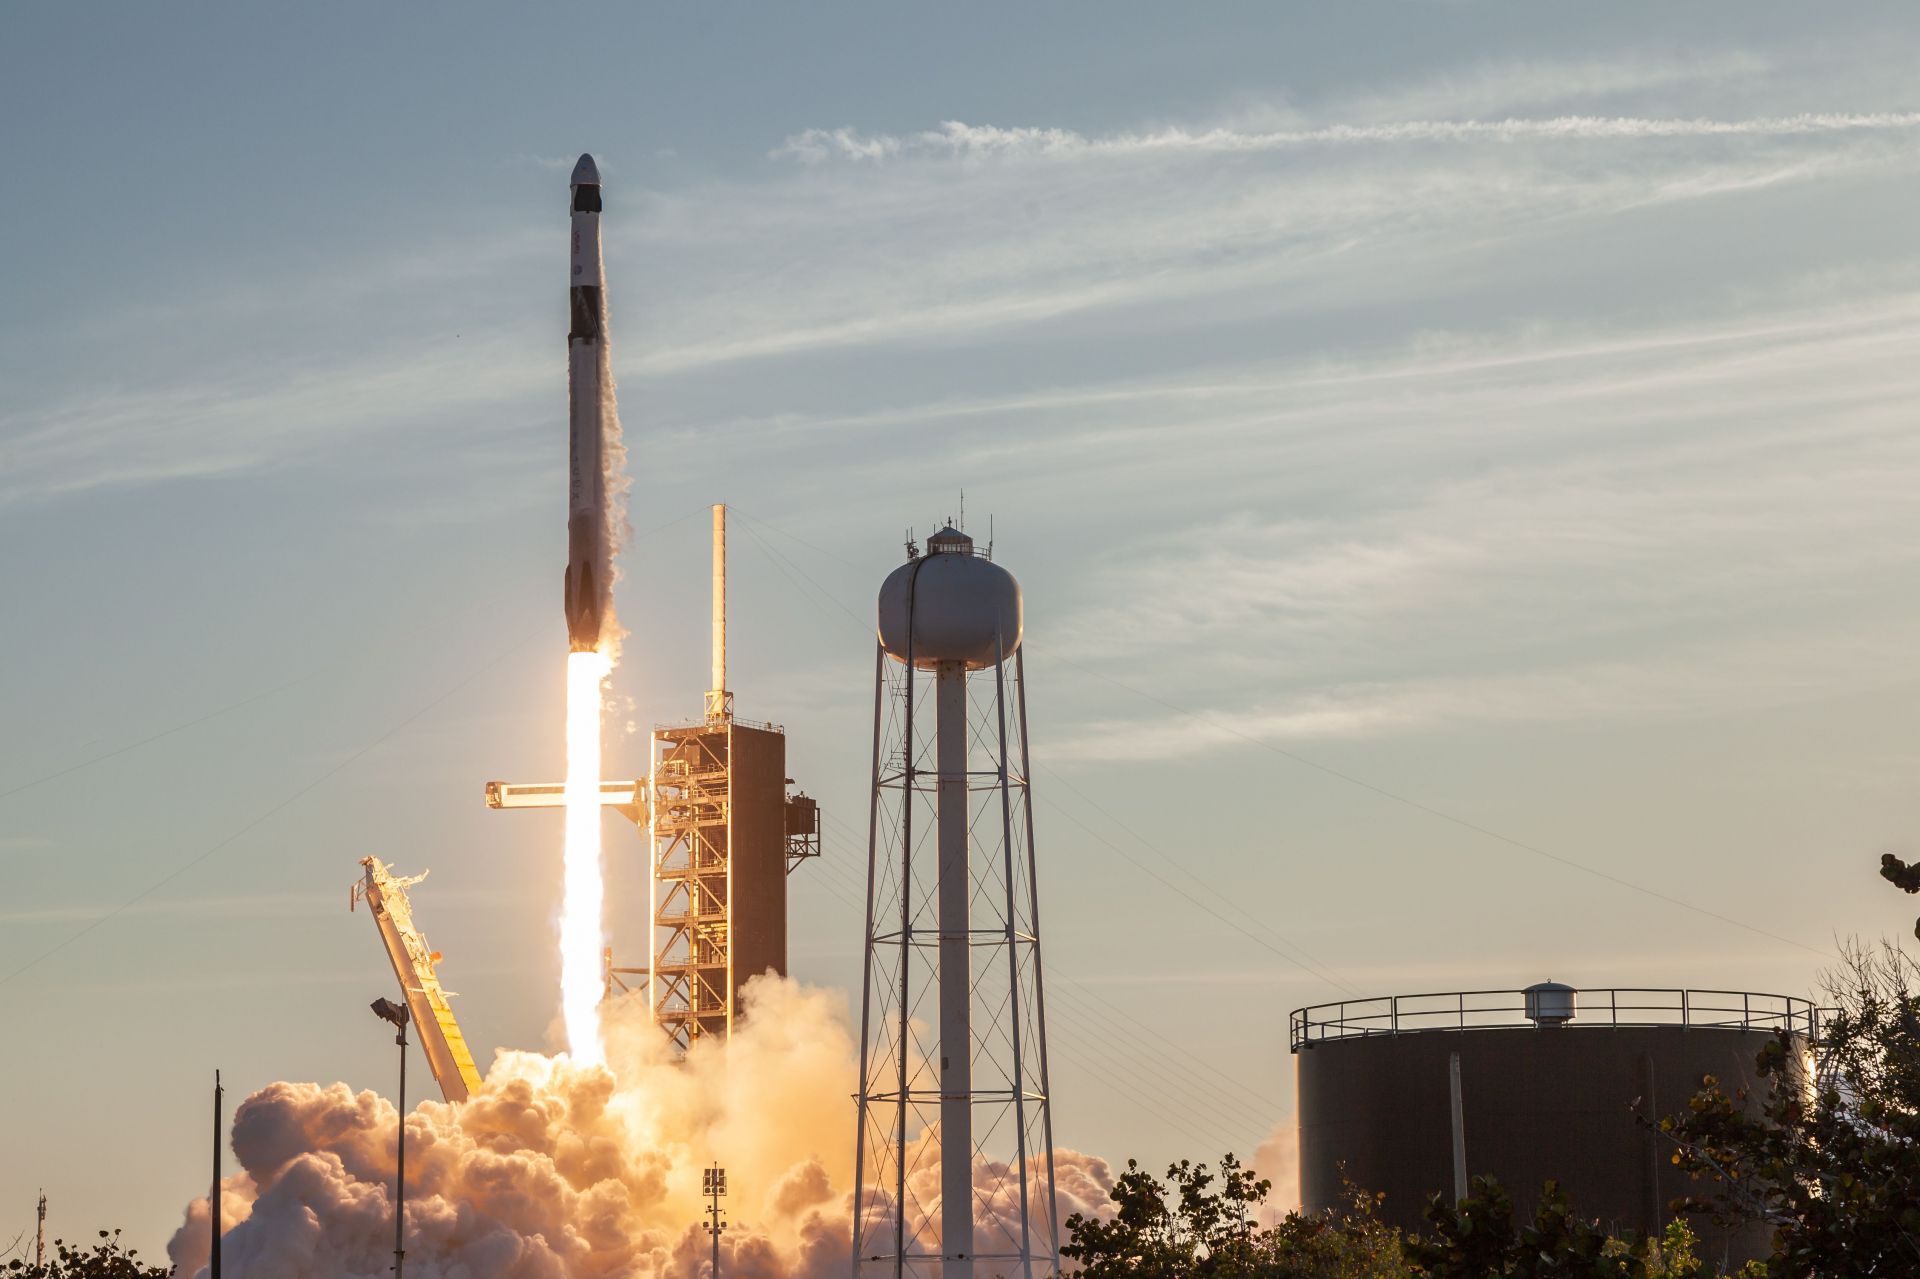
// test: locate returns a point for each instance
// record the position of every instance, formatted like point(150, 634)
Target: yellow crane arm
point(413, 962)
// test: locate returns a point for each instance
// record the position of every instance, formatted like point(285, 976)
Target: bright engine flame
point(580, 936)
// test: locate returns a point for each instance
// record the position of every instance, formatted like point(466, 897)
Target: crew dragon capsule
point(589, 589)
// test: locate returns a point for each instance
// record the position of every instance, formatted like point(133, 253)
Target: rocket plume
point(580, 930)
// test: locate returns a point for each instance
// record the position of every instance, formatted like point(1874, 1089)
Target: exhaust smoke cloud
point(560, 1169)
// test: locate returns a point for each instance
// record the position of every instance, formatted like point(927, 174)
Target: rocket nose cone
point(585, 174)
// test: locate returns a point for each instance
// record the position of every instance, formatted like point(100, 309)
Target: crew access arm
point(440, 1036)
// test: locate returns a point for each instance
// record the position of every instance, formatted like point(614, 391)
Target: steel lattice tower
point(953, 1025)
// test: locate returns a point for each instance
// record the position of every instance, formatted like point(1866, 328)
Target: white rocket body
point(589, 586)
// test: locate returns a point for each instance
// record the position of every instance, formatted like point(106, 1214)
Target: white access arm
point(413, 962)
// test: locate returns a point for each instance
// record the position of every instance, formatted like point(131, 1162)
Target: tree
point(1204, 1226)
point(1350, 1242)
point(1476, 1238)
point(1203, 1232)
point(107, 1259)
point(1832, 1164)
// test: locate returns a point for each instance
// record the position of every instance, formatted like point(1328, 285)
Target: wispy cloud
point(1676, 684)
point(1501, 87)
point(955, 139)
point(127, 438)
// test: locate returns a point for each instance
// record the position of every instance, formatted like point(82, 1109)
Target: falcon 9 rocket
point(589, 588)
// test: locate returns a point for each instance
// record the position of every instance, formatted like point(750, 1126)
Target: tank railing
point(1624, 1006)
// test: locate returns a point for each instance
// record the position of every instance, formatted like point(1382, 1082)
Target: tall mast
point(719, 700)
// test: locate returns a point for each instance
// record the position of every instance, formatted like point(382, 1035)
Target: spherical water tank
point(950, 605)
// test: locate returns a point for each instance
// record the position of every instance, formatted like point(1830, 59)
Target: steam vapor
point(559, 1170)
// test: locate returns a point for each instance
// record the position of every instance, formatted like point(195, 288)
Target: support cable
point(1384, 793)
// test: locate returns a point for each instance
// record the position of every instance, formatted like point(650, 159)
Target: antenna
point(719, 700)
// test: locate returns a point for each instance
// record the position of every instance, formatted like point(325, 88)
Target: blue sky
point(1508, 406)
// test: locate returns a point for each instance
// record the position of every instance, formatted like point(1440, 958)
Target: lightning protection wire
point(1439, 814)
point(433, 627)
point(1170, 1076)
point(1171, 1099)
point(283, 803)
point(1456, 820)
point(1287, 951)
point(489, 663)
point(1182, 1058)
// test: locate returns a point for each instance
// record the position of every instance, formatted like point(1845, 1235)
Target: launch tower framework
point(725, 836)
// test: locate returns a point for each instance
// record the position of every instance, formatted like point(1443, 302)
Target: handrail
point(739, 721)
point(1620, 1007)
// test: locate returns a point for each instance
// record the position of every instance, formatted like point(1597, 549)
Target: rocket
point(589, 588)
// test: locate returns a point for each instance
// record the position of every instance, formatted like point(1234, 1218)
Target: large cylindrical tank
point(950, 605)
point(1543, 1097)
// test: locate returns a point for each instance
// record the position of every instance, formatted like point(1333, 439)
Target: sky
point(1460, 459)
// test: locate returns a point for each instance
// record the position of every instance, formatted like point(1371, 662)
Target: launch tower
point(722, 834)
point(725, 836)
point(953, 937)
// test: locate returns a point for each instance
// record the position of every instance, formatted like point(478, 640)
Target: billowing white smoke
point(1278, 1160)
point(559, 1171)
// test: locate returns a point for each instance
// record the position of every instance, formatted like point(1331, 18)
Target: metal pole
point(954, 887)
point(400, 1176)
point(910, 797)
point(213, 1250)
point(717, 698)
point(1013, 967)
point(714, 1191)
point(40, 1235)
point(1039, 982)
point(1459, 1129)
point(866, 981)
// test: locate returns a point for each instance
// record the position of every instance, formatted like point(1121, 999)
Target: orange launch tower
point(723, 834)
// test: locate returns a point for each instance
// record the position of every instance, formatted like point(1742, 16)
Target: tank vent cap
point(1551, 1004)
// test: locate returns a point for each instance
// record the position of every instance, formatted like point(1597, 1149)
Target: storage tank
point(963, 607)
point(1548, 1077)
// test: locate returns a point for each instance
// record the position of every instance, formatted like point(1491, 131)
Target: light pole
point(219, 1140)
point(388, 1011)
point(714, 1185)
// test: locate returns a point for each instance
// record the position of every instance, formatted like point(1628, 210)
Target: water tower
point(953, 1027)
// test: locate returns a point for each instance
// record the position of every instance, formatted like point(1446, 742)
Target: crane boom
point(446, 1047)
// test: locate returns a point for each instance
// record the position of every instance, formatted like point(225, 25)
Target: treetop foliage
point(108, 1258)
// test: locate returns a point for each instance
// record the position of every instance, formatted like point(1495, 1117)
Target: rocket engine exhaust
point(581, 933)
point(589, 581)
